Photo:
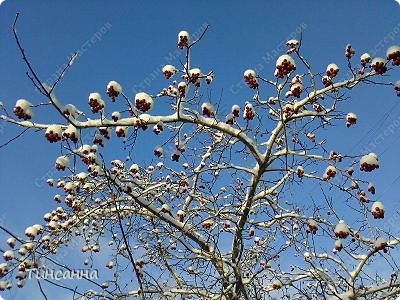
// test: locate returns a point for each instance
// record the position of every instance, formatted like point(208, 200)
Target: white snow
point(38, 227)
point(342, 227)
point(116, 115)
point(377, 205)
point(284, 57)
point(24, 104)
point(115, 85)
point(182, 85)
point(249, 73)
point(11, 242)
point(71, 110)
point(195, 72)
point(332, 66)
point(380, 242)
point(63, 161)
point(366, 57)
point(31, 231)
point(84, 149)
point(312, 223)
point(8, 255)
point(169, 68)
point(55, 128)
point(159, 149)
point(332, 169)
point(144, 118)
point(134, 168)
point(378, 60)
point(81, 176)
point(296, 79)
point(144, 101)
point(121, 129)
point(22, 109)
point(95, 96)
point(165, 207)
point(392, 50)
point(296, 86)
point(235, 108)
point(71, 131)
point(351, 116)
point(207, 108)
point(183, 34)
point(292, 42)
point(370, 159)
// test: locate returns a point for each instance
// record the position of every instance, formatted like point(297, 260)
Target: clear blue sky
point(139, 37)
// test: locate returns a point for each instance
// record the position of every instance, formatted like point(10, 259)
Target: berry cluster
point(284, 65)
point(143, 101)
point(393, 54)
point(113, 90)
point(53, 133)
point(250, 78)
point(95, 102)
point(22, 109)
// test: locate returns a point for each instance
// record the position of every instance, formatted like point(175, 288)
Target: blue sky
point(140, 35)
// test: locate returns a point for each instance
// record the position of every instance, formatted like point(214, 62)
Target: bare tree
point(218, 212)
